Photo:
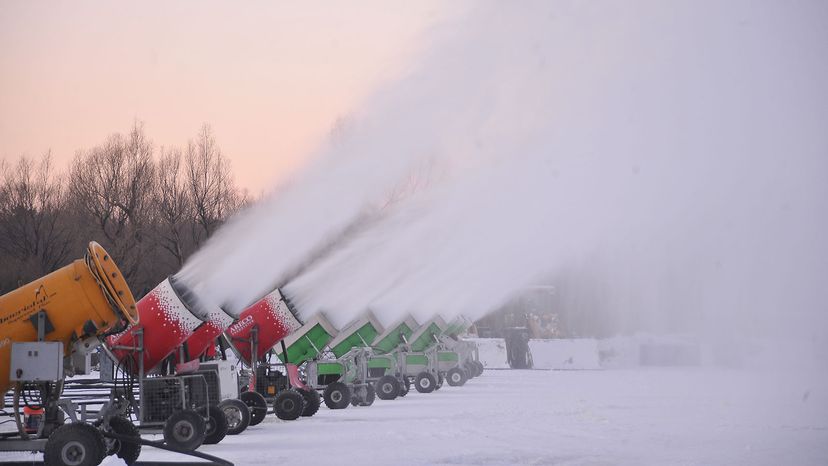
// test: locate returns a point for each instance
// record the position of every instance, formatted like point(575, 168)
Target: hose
point(163, 446)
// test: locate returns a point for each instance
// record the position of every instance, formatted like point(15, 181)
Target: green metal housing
point(360, 333)
point(395, 335)
point(308, 341)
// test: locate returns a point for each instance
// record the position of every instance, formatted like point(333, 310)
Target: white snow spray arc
point(662, 164)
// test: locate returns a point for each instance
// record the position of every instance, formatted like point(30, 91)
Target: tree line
point(150, 207)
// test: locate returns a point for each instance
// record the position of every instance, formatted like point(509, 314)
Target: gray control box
point(36, 362)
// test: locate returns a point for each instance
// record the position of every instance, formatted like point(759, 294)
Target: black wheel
point(440, 380)
point(370, 395)
point(470, 370)
point(312, 401)
point(456, 377)
point(289, 405)
point(387, 387)
point(237, 414)
point(185, 430)
point(257, 404)
point(217, 425)
point(127, 451)
point(75, 444)
point(337, 396)
point(405, 386)
point(425, 382)
point(477, 368)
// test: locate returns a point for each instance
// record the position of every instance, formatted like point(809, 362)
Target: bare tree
point(173, 205)
point(113, 183)
point(210, 185)
point(33, 221)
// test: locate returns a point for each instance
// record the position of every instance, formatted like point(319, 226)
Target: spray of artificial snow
point(662, 164)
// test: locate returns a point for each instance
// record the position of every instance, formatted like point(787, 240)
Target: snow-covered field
point(685, 416)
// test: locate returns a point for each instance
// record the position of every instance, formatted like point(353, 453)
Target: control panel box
point(36, 362)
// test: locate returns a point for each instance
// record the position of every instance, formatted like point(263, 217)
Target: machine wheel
point(370, 395)
point(217, 425)
point(75, 444)
point(237, 414)
point(127, 451)
point(456, 377)
point(470, 371)
point(480, 368)
point(425, 382)
point(337, 396)
point(312, 401)
point(289, 405)
point(185, 430)
point(257, 404)
point(387, 387)
point(405, 386)
point(440, 380)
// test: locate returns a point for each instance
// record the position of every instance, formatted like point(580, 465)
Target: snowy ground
point(611, 417)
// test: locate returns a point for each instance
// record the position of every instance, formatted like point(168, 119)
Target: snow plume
point(664, 163)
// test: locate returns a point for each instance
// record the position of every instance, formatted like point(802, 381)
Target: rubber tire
point(193, 425)
point(312, 401)
point(440, 380)
point(257, 405)
point(456, 377)
point(370, 395)
point(478, 368)
point(425, 382)
point(73, 439)
point(387, 387)
point(237, 414)
point(128, 452)
point(337, 396)
point(217, 426)
point(289, 405)
point(405, 386)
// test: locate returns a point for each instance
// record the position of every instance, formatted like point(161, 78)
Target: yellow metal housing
point(87, 298)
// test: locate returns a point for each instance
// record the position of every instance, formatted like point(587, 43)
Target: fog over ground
point(666, 161)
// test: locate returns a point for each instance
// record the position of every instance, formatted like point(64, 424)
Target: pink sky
point(269, 77)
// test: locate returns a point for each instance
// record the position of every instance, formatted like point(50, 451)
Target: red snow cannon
point(261, 326)
point(205, 336)
point(168, 315)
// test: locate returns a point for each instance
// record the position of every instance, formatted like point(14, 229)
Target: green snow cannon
point(274, 381)
point(334, 378)
point(347, 363)
point(384, 361)
point(468, 361)
point(420, 360)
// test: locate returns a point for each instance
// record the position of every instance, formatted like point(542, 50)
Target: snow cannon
point(75, 306)
point(384, 359)
point(205, 336)
point(168, 315)
point(261, 326)
point(468, 356)
point(419, 362)
point(347, 370)
point(308, 341)
point(360, 333)
point(395, 336)
point(426, 336)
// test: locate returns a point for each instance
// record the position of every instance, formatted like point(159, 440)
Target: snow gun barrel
point(261, 326)
point(168, 315)
point(88, 298)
